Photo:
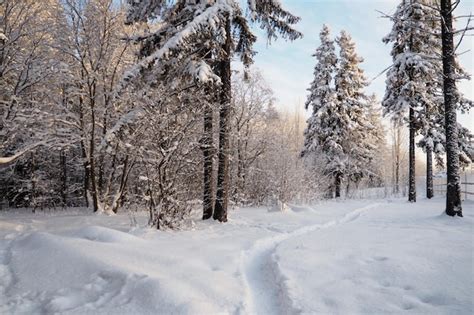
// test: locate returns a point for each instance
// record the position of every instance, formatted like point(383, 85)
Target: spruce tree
point(338, 127)
point(424, 22)
point(428, 37)
point(408, 89)
point(322, 99)
point(373, 141)
point(322, 95)
point(197, 39)
point(351, 112)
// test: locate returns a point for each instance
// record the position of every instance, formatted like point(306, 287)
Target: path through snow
point(265, 288)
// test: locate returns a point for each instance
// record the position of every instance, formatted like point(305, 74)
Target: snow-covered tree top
point(350, 79)
point(320, 89)
point(192, 32)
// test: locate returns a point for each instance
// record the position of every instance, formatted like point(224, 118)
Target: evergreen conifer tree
point(197, 39)
point(412, 77)
point(351, 115)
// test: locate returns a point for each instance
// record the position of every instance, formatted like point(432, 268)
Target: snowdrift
point(354, 257)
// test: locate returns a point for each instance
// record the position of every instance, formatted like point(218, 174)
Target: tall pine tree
point(453, 191)
point(352, 109)
point(409, 81)
point(338, 126)
point(322, 95)
point(417, 24)
point(322, 99)
point(197, 39)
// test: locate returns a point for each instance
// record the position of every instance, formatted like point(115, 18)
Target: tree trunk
point(329, 192)
point(222, 196)
point(207, 151)
point(397, 160)
point(62, 156)
point(411, 168)
point(337, 184)
point(453, 191)
point(397, 174)
point(101, 165)
point(238, 189)
point(429, 173)
point(33, 200)
point(84, 153)
point(92, 166)
point(93, 179)
point(121, 193)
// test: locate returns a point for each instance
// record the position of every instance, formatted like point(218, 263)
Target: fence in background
point(467, 185)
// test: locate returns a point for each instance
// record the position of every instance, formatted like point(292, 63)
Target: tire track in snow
point(265, 289)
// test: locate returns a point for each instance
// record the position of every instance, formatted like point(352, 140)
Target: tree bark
point(83, 152)
point(207, 151)
point(429, 173)
point(62, 156)
point(337, 184)
point(222, 191)
point(411, 168)
point(397, 160)
point(101, 161)
point(121, 193)
point(33, 201)
point(92, 166)
point(239, 184)
point(453, 191)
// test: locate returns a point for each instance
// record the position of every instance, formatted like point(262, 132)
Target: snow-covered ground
point(340, 257)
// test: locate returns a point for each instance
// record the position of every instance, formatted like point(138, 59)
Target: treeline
point(110, 109)
point(421, 92)
point(416, 94)
point(136, 107)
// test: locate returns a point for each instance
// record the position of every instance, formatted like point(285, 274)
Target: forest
point(114, 106)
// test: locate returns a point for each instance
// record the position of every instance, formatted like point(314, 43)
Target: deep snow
point(339, 257)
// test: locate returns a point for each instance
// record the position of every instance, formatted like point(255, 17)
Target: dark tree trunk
point(241, 168)
point(397, 161)
point(238, 184)
point(33, 200)
point(83, 153)
point(429, 173)
point(411, 167)
point(207, 151)
point(62, 155)
point(86, 183)
point(92, 175)
point(121, 193)
point(101, 156)
point(453, 191)
point(222, 191)
point(92, 158)
point(329, 192)
point(337, 184)
point(397, 174)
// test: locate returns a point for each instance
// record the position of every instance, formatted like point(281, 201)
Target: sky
point(288, 66)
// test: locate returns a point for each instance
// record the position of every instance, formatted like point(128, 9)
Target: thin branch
point(463, 34)
point(381, 73)
point(6, 161)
